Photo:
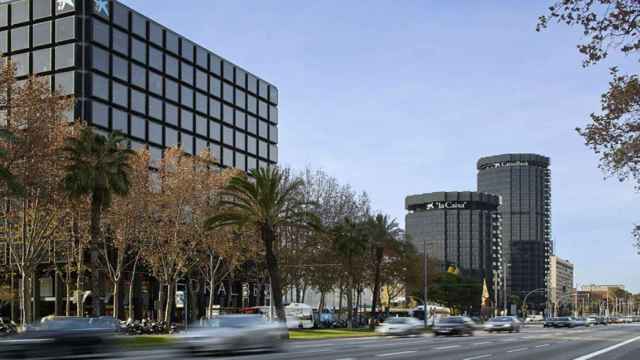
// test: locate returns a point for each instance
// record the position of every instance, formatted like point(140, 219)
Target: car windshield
point(67, 324)
point(564, 319)
point(397, 321)
point(236, 322)
point(502, 319)
point(452, 320)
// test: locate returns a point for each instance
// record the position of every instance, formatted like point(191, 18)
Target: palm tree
point(13, 185)
point(265, 203)
point(383, 232)
point(98, 167)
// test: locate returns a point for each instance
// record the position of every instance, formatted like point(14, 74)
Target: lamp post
point(426, 313)
point(505, 287)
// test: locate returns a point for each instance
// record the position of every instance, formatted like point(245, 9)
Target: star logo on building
point(102, 7)
point(62, 4)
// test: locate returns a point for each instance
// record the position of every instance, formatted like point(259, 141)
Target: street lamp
point(506, 266)
point(426, 323)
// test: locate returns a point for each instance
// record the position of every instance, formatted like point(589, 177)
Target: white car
point(400, 326)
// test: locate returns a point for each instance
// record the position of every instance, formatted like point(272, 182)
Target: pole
point(426, 310)
point(505, 288)
point(495, 293)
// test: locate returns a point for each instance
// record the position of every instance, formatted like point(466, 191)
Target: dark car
point(565, 322)
point(60, 338)
point(503, 323)
point(454, 325)
point(549, 322)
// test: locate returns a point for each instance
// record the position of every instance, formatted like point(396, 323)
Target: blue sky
point(402, 97)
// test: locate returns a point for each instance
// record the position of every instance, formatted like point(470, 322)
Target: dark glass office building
point(524, 183)
point(131, 74)
point(458, 228)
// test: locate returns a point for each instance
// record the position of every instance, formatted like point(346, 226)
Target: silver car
point(400, 326)
point(503, 323)
point(234, 333)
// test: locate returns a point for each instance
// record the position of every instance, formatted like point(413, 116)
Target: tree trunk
point(268, 238)
point(131, 284)
point(96, 288)
point(376, 286)
point(67, 306)
point(23, 299)
point(161, 300)
point(171, 296)
point(116, 298)
point(321, 306)
point(212, 291)
point(350, 307)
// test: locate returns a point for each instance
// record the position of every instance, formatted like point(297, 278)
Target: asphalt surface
point(611, 342)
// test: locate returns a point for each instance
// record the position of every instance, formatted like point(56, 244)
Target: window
point(155, 154)
point(120, 15)
point(171, 114)
point(100, 87)
point(228, 71)
point(252, 145)
point(263, 109)
point(201, 102)
point(214, 131)
point(187, 50)
point(172, 42)
point(20, 38)
point(138, 101)
point(227, 157)
point(273, 94)
point(41, 9)
point(273, 153)
point(273, 133)
point(252, 104)
point(120, 42)
point(100, 32)
point(155, 132)
point(138, 127)
point(273, 114)
point(4, 15)
point(100, 114)
point(155, 34)
point(252, 84)
point(252, 124)
point(155, 107)
point(215, 87)
point(215, 64)
point(155, 83)
point(214, 109)
point(262, 149)
point(65, 56)
point(186, 119)
point(241, 77)
point(252, 163)
point(155, 58)
point(171, 137)
point(240, 119)
point(42, 33)
point(171, 89)
point(201, 145)
point(119, 121)
point(120, 94)
point(201, 80)
point(240, 161)
point(19, 11)
point(240, 98)
point(215, 152)
point(227, 91)
point(139, 25)
point(65, 28)
point(171, 65)
point(264, 89)
point(227, 135)
point(41, 61)
point(186, 96)
point(4, 42)
point(65, 83)
point(240, 136)
point(202, 57)
point(263, 127)
point(227, 114)
point(201, 125)
point(120, 68)
point(138, 76)
point(138, 50)
point(100, 59)
point(187, 73)
point(186, 141)
point(64, 7)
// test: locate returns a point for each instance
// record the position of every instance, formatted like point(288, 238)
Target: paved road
point(612, 342)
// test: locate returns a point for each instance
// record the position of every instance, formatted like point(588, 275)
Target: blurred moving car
point(565, 322)
point(534, 319)
point(549, 322)
point(503, 323)
point(234, 333)
point(400, 326)
point(454, 325)
point(591, 321)
point(59, 337)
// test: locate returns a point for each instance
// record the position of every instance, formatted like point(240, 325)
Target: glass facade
point(141, 78)
point(459, 229)
point(523, 181)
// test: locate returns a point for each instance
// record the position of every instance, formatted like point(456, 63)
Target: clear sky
point(402, 97)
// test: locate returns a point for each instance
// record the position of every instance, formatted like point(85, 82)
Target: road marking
point(541, 346)
point(397, 353)
point(517, 350)
point(606, 350)
point(313, 345)
point(347, 359)
point(479, 357)
point(447, 347)
point(482, 343)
